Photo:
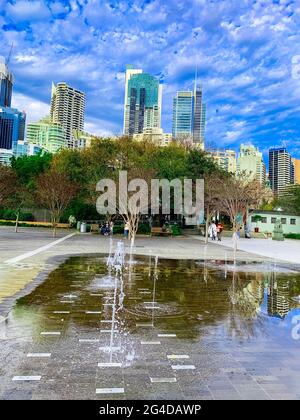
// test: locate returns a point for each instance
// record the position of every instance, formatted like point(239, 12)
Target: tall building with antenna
point(6, 84)
point(12, 121)
point(189, 115)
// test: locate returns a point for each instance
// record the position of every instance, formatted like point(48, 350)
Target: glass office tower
point(12, 126)
point(142, 106)
point(6, 84)
point(189, 116)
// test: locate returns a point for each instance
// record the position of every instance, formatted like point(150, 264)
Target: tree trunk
point(54, 227)
point(206, 225)
point(17, 221)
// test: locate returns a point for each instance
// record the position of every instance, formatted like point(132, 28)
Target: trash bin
point(78, 225)
point(83, 227)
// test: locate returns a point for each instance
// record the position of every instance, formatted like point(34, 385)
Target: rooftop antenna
point(9, 54)
point(196, 76)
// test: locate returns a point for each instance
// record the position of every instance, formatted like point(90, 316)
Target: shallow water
point(181, 329)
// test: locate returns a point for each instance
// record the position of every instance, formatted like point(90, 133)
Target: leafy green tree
point(28, 168)
point(290, 201)
point(8, 181)
point(55, 192)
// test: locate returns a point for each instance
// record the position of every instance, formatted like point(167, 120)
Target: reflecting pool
point(155, 329)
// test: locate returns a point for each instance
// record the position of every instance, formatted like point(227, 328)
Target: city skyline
point(244, 53)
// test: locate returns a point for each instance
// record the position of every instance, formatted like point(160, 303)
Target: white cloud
point(23, 10)
point(34, 109)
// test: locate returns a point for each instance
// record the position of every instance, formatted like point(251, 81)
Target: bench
point(160, 231)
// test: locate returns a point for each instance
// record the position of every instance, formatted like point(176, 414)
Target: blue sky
point(244, 50)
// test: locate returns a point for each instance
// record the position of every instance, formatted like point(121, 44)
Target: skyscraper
point(281, 169)
point(199, 117)
point(189, 116)
point(6, 84)
point(12, 126)
point(67, 108)
point(182, 126)
point(142, 106)
point(250, 163)
point(12, 121)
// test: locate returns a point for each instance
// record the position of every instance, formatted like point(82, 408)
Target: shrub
point(176, 231)
point(292, 235)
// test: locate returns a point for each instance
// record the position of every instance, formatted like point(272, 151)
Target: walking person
point(111, 225)
point(210, 231)
point(126, 230)
point(219, 231)
point(214, 231)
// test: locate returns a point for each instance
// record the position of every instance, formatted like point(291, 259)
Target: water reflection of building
point(278, 297)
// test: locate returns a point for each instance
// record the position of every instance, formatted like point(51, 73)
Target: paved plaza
point(66, 333)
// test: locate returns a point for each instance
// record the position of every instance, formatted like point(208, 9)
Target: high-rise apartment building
point(296, 163)
point(143, 98)
point(6, 84)
point(47, 135)
point(189, 116)
point(67, 109)
point(225, 159)
point(250, 163)
point(281, 169)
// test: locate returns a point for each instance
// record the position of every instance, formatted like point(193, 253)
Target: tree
point(19, 197)
point(290, 201)
point(28, 168)
point(8, 181)
point(55, 192)
point(132, 204)
point(236, 196)
point(211, 198)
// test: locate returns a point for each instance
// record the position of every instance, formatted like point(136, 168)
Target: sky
point(247, 53)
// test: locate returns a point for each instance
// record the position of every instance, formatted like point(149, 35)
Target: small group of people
point(215, 230)
point(107, 228)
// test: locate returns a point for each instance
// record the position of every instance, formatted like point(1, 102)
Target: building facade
point(47, 135)
point(225, 159)
point(290, 222)
point(250, 163)
point(5, 156)
point(154, 135)
point(82, 139)
point(67, 108)
point(12, 127)
point(143, 99)
point(296, 163)
point(189, 116)
point(12, 121)
point(281, 170)
point(6, 85)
